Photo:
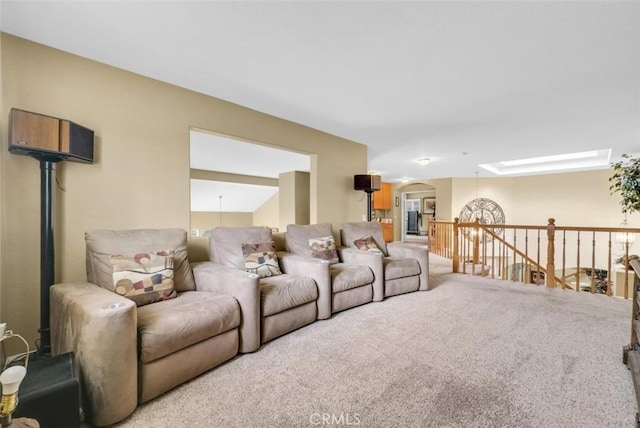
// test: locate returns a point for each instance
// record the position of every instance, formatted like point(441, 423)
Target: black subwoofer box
point(50, 392)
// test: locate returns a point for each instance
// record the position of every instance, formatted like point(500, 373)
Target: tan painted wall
point(206, 220)
point(302, 197)
point(497, 189)
point(443, 198)
point(294, 199)
point(286, 200)
point(573, 199)
point(268, 214)
point(141, 175)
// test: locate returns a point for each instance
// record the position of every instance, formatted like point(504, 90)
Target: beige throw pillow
point(367, 244)
point(144, 277)
point(324, 248)
point(260, 258)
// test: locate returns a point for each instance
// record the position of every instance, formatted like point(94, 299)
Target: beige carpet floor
point(471, 352)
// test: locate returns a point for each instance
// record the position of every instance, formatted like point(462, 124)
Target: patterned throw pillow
point(324, 248)
point(367, 244)
point(144, 277)
point(260, 258)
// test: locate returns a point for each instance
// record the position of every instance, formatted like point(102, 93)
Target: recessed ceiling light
point(424, 161)
point(405, 179)
point(564, 162)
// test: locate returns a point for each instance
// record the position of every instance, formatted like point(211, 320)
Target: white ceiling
point(463, 83)
point(212, 152)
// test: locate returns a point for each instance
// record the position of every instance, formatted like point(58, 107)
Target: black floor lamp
point(369, 183)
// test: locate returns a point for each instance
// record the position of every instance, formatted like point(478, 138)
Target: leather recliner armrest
point(373, 261)
point(244, 286)
point(319, 270)
point(100, 327)
point(420, 253)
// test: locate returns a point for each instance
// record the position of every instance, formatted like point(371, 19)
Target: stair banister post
point(476, 241)
point(551, 267)
point(456, 243)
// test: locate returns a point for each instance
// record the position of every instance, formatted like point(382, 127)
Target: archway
point(418, 204)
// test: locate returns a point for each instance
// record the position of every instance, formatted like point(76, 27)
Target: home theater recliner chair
point(341, 286)
point(287, 301)
point(132, 349)
point(398, 267)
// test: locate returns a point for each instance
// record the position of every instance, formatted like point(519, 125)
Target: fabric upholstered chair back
point(102, 244)
point(350, 232)
point(225, 243)
point(297, 237)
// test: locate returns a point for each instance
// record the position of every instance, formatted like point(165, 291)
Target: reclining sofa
point(146, 320)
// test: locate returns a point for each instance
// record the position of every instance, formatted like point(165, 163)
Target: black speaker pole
point(369, 210)
point(47, 259)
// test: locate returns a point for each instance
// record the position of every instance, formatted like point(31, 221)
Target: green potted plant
point(626, 181)
point(600, 281)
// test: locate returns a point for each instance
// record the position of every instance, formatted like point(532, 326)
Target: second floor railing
point(591, 259)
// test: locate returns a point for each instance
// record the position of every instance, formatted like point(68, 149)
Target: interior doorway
point(418, 206)
point(412, 216)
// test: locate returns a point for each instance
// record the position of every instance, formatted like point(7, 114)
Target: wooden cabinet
point(387, 232)
point(382, 198)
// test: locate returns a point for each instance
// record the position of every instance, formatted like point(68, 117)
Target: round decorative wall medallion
point(488, 211)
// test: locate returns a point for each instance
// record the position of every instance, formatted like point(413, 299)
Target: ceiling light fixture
point(404, 179)
point(424, 161)
point(625, 239)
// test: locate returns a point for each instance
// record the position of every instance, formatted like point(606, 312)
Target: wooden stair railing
point(475, 245)
point(631, 352)
point(561, 281)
